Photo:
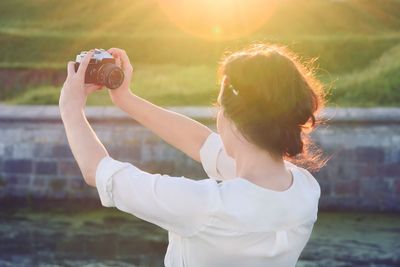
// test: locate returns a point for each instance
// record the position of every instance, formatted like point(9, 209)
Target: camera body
point(101, 69)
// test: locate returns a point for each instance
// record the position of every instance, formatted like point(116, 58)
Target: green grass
point(345, 35)
point(379, 83)
point(162, 84)
point(173, 85)
point(356, 43)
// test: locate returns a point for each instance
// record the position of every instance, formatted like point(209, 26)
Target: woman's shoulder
point(301, 178)
point(245, 206)
point(304, 177)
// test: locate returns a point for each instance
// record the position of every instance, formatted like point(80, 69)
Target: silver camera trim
point(98, 55)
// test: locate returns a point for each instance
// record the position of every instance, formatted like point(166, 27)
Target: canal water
point(77, 236)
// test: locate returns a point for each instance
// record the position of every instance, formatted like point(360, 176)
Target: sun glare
point(218, 19)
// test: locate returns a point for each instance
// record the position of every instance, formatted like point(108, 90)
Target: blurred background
point(175, 49)
point(49, 217)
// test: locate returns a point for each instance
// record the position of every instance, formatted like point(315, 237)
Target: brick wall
point(36, 162)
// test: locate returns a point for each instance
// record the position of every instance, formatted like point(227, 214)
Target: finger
point(118, 62)
point(90, 88)
point(85, 62)
point(116, 52)
point(112, 50)
point(70, 69)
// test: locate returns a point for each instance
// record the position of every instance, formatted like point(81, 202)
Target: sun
point(218, 19)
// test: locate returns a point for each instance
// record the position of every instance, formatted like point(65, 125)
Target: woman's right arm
point(179, 131)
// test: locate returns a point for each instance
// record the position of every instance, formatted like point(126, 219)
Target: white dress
point(233, 223)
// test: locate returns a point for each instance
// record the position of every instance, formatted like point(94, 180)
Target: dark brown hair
point(273, 99)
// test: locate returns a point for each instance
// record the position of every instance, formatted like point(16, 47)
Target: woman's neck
point(260, 167)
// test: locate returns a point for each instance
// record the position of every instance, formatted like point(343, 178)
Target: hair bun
point(274, 97)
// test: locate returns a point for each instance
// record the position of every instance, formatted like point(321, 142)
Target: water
point(108, 237)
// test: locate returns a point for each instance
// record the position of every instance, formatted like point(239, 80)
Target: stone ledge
point(26, 113)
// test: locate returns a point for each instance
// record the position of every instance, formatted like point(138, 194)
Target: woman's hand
point(122, 60)
point(74, 91)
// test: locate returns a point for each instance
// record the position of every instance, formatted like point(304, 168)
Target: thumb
point(70, 69)
point(85, 62)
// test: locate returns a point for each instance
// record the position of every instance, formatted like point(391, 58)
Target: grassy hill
point(378, 83)
point(356, 41)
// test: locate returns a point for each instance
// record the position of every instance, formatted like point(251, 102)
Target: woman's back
point(250, 225)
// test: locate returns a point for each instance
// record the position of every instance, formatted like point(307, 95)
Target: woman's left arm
point(86, 147)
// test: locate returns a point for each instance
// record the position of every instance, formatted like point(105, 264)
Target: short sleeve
point(177, 204)
point(216, 163)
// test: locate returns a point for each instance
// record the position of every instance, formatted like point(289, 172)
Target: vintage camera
point(101, 69)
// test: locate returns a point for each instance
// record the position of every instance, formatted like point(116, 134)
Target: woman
point(263, 211)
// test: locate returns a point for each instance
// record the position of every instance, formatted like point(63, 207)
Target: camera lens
point(110, 75)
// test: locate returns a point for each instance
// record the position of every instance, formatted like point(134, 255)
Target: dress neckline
point(264, 189)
